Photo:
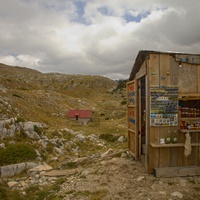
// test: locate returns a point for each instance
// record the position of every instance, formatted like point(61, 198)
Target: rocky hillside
point(35, 131)
point(33, 109)
point(46, 98)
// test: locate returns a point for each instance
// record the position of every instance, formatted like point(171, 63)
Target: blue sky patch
point(80, 6)
point(136, 18)
point(104, 11)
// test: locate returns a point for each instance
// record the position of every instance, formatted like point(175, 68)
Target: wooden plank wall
point(198, 79)
point(198, 137)
point(165, 71)
point(176, 154)
point(164, 66)
point(154, 73)
point(188, 78)
point(160, 75)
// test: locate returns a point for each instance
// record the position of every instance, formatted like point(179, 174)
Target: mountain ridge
point(47, 96)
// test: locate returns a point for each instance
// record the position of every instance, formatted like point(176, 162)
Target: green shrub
point(70, 165)
point(49, 148)
point(21, 137)
point(121, 85)
point(108, 137)
point(7, 194)
point(123, 102)
point(20, 119)
point(22, 134)
point(37, 129)
point(3, 193)
point(16, 153)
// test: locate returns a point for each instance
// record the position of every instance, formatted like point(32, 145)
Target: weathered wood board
point(176, 171)
point(188, 78)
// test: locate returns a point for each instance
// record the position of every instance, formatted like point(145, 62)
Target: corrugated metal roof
point(79, 113)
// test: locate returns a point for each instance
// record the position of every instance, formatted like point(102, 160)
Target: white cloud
point(96, 39)
point(116, 76)
point(20, 60)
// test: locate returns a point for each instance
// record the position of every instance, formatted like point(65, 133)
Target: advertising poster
point(164, 106)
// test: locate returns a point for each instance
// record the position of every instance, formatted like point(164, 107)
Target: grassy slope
point(47, 97)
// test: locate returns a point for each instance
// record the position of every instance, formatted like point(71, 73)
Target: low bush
point(108, 137)
point(7, 194)
point(49, 148)
point(17, 153)
point(20, 119)
point(22, 134)
point(38, 130)
point(124, 102)
point(70, 165)
point(3, 193)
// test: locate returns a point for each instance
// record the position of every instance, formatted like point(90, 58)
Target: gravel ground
point(123, 178)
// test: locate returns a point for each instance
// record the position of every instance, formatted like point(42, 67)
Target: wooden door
point(132, 118)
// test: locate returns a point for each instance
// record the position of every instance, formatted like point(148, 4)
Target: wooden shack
point(163, 103)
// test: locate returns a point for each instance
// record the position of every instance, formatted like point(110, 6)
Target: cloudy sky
point(96, 37)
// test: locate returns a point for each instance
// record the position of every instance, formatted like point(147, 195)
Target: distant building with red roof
point(83, 116)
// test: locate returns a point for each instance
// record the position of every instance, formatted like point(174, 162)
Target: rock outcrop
point(11, 170)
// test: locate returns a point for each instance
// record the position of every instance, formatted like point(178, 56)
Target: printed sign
point(193, 59)
point(131, 94)
point(164, 106)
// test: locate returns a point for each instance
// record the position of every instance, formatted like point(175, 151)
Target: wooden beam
point(177, 171)
point(173, 145)
point(131, 130)
point(142, 72)
point(131, 106)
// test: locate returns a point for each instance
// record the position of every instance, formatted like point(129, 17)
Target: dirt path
point(122, 178)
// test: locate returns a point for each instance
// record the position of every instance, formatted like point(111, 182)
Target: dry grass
point(33, 96)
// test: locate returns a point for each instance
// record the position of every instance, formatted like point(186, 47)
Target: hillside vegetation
point(34, 127)
point(46, 98)
point(33, 96)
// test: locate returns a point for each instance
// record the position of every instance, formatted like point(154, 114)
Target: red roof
point(79, 113)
